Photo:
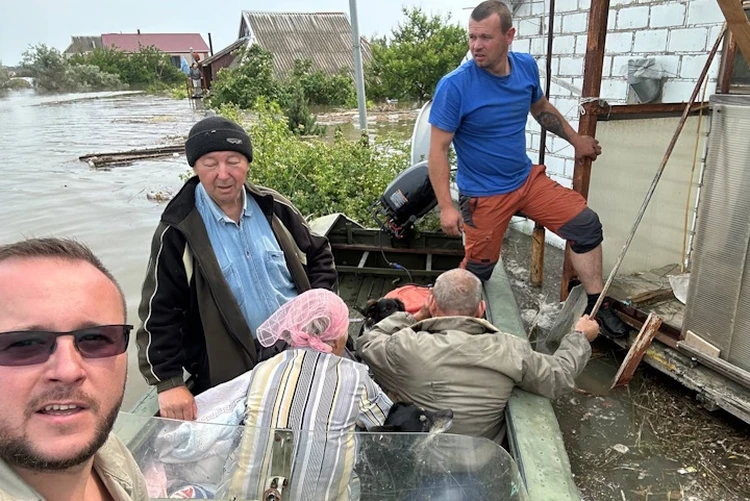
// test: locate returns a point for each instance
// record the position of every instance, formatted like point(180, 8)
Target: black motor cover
point(408, 197)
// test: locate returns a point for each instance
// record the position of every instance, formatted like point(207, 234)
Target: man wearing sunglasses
point(63, 367)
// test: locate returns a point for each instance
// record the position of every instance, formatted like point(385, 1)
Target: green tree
point(319, 87)
point(140, 69)
point(250, 79)
point(4, 76)
point(419, 51)
point(48, 68)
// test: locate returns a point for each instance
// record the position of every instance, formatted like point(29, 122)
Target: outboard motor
point(406, 199)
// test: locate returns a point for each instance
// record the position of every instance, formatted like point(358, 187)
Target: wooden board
point(637, 350)
point(738, 25)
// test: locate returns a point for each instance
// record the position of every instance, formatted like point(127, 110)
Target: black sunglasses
point(35, 347)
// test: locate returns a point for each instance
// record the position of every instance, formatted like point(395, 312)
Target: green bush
point(148, 66)
point(245, 83)
point(4, 76)
point(320, 88)
point(410, 62)
point(320, 177)
point(48, 68)
point(87, 77)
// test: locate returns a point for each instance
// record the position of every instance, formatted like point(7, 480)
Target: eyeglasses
point(35, 347)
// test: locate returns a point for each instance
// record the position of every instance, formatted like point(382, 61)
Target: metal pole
point(359, 78)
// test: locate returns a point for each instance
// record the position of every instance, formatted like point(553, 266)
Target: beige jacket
point(467, 365)
point(114, 464)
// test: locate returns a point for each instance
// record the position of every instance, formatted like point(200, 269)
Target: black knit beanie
point(216, 134)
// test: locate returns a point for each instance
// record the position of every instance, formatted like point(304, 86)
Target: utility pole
point(359, 78)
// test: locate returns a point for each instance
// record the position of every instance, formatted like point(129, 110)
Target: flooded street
point(47, 191)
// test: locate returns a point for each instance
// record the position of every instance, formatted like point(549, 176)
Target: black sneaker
point(611, 324)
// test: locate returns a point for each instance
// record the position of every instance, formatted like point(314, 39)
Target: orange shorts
point(486, 218)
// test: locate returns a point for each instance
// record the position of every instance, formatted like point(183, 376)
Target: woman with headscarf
point(309, 389)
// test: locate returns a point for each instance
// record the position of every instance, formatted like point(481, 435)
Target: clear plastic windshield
point(214, 461)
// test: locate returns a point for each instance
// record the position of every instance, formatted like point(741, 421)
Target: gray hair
point(458, 292)
point(61, 248)
point(489, 7)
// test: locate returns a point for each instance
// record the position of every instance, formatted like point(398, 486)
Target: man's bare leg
point(588, 267)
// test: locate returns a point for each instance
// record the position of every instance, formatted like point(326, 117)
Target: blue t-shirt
point(487, 115)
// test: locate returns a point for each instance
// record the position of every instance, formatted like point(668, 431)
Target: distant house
point(82, 45)
point(177, 45)
point(325, 38)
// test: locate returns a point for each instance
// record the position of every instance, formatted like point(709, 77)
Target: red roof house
point(175, 44)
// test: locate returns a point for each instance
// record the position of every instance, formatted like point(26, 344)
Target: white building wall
point(678, 34)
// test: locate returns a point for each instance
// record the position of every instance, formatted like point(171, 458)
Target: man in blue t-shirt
point(482, 108)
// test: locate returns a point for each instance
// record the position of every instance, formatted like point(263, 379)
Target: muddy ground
point(649, 441)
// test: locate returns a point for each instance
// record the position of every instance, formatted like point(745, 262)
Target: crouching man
point(447, 357)
point(63, 367)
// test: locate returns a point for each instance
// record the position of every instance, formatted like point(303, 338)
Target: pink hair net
point(310, 320)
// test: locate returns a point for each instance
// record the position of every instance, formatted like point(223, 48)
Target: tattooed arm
point(552, 120)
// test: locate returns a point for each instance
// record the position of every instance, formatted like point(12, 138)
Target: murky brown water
point(47, 191)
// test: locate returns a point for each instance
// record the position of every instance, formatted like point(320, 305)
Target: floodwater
point(47, 191)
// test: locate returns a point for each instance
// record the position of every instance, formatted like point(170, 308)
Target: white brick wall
point(632, 17)
point(650, 41)
point(668, 14)
point(575, 23)
point(677, 33)
point(703, 12)
point(564, 45)
point(688, 40)
point(619, 43)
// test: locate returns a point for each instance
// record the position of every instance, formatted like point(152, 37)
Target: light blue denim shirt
point(250, 257)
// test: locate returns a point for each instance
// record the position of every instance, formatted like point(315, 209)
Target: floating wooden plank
point(637, 350)
point(721, 366)
point(695, 341)
point(124, 157)
point(738, 24)
point(653, 296)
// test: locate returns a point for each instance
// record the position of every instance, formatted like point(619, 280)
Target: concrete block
point(677, 91)
point(584, 5)
point(555, 164)
point(523, 10)
point(538, 8)
point(571, 66)
point(713, 34)
point(566, 5)
point(614, 89)
point(539, 46)
point(650, 41)
point(704, 12)
point(668, 14)
point(620, 66)
point(611, 20)
point(567, 106)
point(618, 3)
point(528, 27)
point(575, 23)
point(558, 24)
point(630, 18)
point(670, 65)
point(564, 45)
point(523, 45)
point(687, 40)
point(693, 65)
point(578, 84)
point(581, 41)
point(619, 43)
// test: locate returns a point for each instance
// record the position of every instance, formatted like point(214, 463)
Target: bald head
point(458, 293)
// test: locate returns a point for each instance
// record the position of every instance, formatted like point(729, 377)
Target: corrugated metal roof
point(325, 38)
point(226, 50)
point(83, 44)
point(165, 42)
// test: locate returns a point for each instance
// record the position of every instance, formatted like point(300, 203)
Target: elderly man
point(63, 368)
point(224, 257)
point(448, 357)
point(482, 108)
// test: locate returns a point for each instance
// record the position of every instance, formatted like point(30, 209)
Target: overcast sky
point(28, 22)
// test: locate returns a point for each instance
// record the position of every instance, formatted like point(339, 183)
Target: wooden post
point(738, 24)
point(637, 351)
point(536, 275)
